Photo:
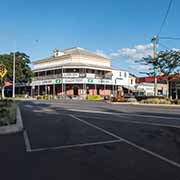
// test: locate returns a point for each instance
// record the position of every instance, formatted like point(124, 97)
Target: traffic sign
point(3, 70)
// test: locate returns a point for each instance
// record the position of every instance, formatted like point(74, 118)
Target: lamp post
point(14, 71)
point(155, 41)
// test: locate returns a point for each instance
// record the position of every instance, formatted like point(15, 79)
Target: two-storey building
point(77, 72)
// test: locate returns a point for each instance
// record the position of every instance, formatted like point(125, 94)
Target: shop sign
point(82, 75)
point(106, 81)
point(58, 81)
point(90, 80)
point(70, 75)
point(90, 75)
point(47, 82)
point(73, 80)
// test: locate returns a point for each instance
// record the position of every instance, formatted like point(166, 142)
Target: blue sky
point(119, 29)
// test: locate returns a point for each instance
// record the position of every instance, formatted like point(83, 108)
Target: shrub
point(94, 97)
point(177, 101)
point(22, 96)
point(131, 99)
point(44, 97)
point(140, 98)
point(117, 99)
point(7, 113)
point(156, 101)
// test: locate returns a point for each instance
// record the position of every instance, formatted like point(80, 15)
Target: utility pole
point(14, 73)
point(62, 85)
point(155, 41)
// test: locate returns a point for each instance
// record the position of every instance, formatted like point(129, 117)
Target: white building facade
point(77, 72)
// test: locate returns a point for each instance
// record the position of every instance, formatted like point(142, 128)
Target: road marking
point(96, 127)
point(27, 142)
point(129, 142)
point(133, 122)
point(123, 114)
point(75, 145)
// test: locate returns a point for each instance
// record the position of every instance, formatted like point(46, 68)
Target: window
point(120, 74)
point(131, 81)
point(125, 75)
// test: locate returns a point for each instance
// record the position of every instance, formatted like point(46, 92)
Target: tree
point(23, 70)
point(169, 63)
point(153, 63)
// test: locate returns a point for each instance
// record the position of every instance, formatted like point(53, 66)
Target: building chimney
point(57, 53)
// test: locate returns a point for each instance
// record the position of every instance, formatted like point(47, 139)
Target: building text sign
point(69, 75)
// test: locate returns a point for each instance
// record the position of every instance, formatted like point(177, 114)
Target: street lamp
point(14, 71)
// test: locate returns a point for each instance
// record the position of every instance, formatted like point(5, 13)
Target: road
point(93, 140)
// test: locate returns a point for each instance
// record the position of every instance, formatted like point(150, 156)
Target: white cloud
point(101, 53)
point(139, 67)
point(174, 49)
point(136, 53)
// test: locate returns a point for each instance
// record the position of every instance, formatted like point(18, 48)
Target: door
point(178, 93)
point(75, 89)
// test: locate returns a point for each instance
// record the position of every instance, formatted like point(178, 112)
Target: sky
point(119, 29)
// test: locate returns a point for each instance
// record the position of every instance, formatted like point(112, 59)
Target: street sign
point(58, 81)
point(3, 70)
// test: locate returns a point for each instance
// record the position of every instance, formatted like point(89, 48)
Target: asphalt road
point(93, 141)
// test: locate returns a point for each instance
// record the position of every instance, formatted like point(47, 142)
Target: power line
point(165, 17)
point(164, 46)
point(170, 38)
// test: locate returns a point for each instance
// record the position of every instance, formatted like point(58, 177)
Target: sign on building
point(58, 81)
point(69, 75)
point(90, 80)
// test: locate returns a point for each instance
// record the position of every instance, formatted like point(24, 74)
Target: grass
point(7, 112)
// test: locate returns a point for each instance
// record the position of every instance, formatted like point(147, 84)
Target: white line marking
point(130, 143)
point(96, 127)
point(125, 114)
point(27, 142)
point(130, 121)
point(75, 145)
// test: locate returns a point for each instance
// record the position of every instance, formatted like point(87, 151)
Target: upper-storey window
point(131, 81)
point(120, 74)
point(125, 74)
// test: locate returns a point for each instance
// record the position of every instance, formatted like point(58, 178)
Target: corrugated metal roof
point(69, 52)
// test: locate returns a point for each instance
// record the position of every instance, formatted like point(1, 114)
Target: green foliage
point(23, 70)
point(153, 64)
point(22, 96)
point(169, 62)
point(117, 99)
point(177, 101)
point(156, 101)
point(7, 112)
point(131, 99)
point(94, 97)
point(45, 97)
